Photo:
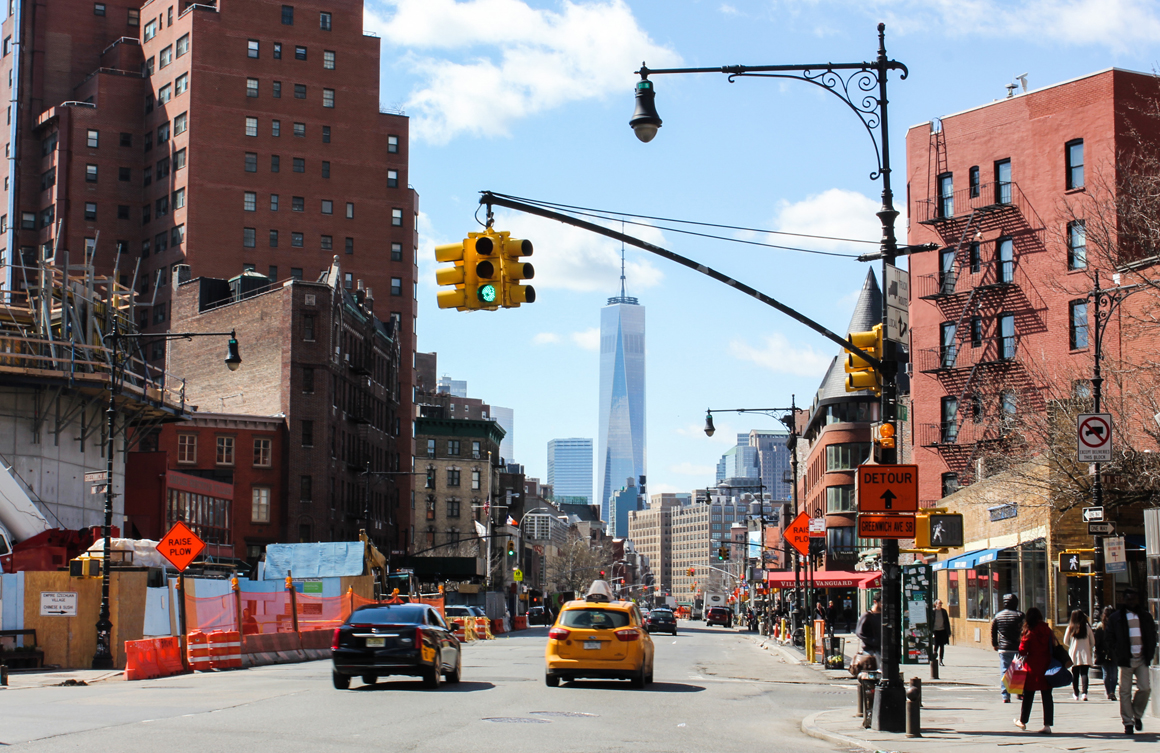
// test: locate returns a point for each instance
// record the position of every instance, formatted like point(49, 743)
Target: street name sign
point(58, 603)
point(1101, 529)
point(180, 546)
point(96, 476)
point(887, 488)
point(1093, 514)
point(798, 534)
point(886, 526)
point(1094, 437)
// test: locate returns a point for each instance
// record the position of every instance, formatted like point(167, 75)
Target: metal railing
point(965, 276)
point(959, 204)
point(966, 353)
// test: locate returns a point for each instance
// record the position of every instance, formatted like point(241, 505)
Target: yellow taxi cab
point(599, 638)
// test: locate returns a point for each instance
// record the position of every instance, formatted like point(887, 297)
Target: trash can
point(836, 653)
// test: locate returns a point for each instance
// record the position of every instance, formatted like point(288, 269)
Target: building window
point(328, 245)
point(973, 181)
point(297, 204)
point(182, 45)
point(134, 17)
point(225, 451)
point(840, 539)
point(327, 206)
point(180, 124)
point(976, 331)
point(453, 447)
point(397, 217)
point(1003, 181)
point(1078, 324)
point(178, 233)
point(252, 48)
point(252, 127)
point(182, 83)
point(179, 159)
point(324, 21)
point(122, 211)
point(90, 210)
point(453, 508)
point(162, 134)
point(251, 162)
point(276, 128)
point(350, 245)
point(396, 286)
point(308, 327)
point(249, 237)
point(299, 165)
point(328, 97)
point(273, 239)
point(453, 477)
point(328, 60)
point(150, 30)
point(948, 348)
point(946, 195)
point(1074, 154)
point(1007, 337)
point(260, 509)
point(187, 448)
point(325, 134)
point(263, 452)
point(840, 498)
point(476, 478)
point(392, 178)
point(947, 275)
point(950, 420)
point(250, 201)
point(308, 380)
point(308, 432)
point(275, 163)
point(92, 139)
point(179, 198)
point(299, 91)
point(1076, 245)
point(430, 448)
point(251, 87)
point(276, 89)
point(300, 130)
point(1005, 250)
point(165, 57)
point(90, 173)
point(325, 169)
point(306, 488)
point(297, 240)
point(287, 15)
point(950, 484)
point(393, 144)
point(846, 456)
point(396, 252)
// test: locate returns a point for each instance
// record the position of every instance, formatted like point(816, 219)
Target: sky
point(532, 98)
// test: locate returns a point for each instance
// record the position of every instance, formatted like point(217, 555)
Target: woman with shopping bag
point(1035, 649)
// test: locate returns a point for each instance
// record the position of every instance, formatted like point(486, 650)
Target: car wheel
point(649, 678)
point(674, 632)
point(640, 679)
point(456, 674)
point(434, 676)
point(341, 682)
point(551, 680)
point(369, 679)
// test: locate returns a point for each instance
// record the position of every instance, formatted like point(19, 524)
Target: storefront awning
point(968, 560)
point(827, 579)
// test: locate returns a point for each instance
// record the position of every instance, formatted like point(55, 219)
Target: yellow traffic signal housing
point(454, 276)
point(474, 276)
point(942, 530)
point(860, 374)
point(515, 271)
point(486, 258)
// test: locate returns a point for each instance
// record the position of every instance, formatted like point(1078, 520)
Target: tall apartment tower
point(622, 400)
point(570, 467)
point(226, 135)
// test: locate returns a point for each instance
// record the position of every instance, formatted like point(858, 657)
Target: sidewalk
point(43, 678)
point(962, 711)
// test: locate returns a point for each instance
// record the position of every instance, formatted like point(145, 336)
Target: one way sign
point(887, 488)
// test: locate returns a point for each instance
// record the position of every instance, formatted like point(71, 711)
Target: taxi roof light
point(599, 591)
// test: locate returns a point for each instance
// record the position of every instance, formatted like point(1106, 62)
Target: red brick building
point(226, 135)
point(999, 317)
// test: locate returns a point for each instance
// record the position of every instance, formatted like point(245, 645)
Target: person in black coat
point(1006, 633)
point(869, 631)
point(1130, 638)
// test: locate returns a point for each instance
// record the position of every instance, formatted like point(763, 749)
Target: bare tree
point(576, 564)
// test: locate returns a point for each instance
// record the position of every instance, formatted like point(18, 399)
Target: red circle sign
point(1097, 428)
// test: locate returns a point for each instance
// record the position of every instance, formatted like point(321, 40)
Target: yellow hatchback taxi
point(599, 638)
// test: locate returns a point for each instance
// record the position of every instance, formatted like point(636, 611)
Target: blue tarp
point(325, 560)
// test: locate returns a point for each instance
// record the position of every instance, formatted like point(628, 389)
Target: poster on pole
point(917, 628)
point(1115, 561)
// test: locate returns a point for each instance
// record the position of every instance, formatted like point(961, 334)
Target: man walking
point(1006, 630)
point(1131, 642)
point(869, 631)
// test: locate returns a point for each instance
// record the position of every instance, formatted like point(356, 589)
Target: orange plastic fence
point(264, 613)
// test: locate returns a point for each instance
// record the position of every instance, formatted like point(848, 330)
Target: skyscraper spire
point(622, 294)
point(623, 297)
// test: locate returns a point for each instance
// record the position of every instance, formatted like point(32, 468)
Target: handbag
point(1059, 654)
point(1015, 677)
point(1057, 675)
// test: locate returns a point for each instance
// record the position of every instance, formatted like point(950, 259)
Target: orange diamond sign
point(798, 534)
point(180, 546)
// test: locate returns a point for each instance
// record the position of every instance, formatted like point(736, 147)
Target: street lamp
point(861, 86)
point(103, 657)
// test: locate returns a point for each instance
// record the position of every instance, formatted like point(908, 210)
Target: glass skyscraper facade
point(622, 402)
point(570, 467)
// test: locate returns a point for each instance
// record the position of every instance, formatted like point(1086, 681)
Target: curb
point(811, 728)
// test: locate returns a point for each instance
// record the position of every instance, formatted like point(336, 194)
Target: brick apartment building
point(225, 135)
point(316, 357)
point(1001, 321)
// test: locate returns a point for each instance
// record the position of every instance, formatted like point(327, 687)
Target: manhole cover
point(563, 713)
point(515, 720)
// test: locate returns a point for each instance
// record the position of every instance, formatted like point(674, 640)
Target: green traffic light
point(487, 293)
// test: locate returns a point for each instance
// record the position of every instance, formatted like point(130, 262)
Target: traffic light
point(511, 548)
point(601, 573)
point(454, 276)
point(723, 553)
point(487, 271)
point(514, 271)
point(938, 531)
point(860, 374)
point(474, 274)
point(692, 572)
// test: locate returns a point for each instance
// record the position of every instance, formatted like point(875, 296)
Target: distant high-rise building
point(622, 502)
point(506, 418)
point(622, 401)
point(453, 387)
point(772, 462)
point(570, 467)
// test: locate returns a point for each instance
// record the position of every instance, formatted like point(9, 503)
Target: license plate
point(594, 645)
point(376, 642)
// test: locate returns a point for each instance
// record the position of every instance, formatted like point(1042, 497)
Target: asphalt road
point(714, 690)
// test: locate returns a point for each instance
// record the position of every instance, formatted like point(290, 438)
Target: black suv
point(661, 620)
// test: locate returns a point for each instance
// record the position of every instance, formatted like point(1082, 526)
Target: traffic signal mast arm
point(489, 199)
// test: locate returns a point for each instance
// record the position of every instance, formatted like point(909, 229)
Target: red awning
point(827, 579)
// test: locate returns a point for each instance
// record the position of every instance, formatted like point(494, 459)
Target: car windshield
point(458, 612)
point(395, 614)
point(595, 619)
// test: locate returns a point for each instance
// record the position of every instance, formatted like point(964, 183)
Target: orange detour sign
point(886, 526)
point(798, 534)
point(180, 546)
point(887, 488)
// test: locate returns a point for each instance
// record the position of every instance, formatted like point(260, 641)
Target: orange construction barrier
point(168, 656)
point(141, 660)
point(225, 649)
point(481, 631)
point(197, 648)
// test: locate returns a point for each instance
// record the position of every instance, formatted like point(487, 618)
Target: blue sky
point(532, 98)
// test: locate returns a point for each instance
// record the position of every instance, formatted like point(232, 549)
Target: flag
point(512, 522)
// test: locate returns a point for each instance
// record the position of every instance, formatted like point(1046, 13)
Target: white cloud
point(782, 357)
point(588, 339)
point(502, 60)
point(546, 338)
point(692, 469)
point(835, 213)
point(729, 10)
point(723, 434)
point(574, 259)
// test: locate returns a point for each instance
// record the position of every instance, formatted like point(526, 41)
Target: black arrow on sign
point(889, 497)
